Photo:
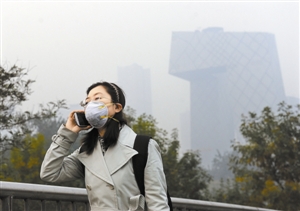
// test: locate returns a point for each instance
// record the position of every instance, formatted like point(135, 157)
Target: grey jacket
point(109, 179)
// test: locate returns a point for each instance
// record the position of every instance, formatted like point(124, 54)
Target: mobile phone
point(80, 119)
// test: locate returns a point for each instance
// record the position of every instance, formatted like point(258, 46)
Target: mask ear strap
point(103, 117)
point(105, 105)
point(114, 119)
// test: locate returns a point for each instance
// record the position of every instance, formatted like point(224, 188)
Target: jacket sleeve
point(57, 165)
point(155, 181)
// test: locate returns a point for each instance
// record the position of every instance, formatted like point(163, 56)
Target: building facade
point(230, 74)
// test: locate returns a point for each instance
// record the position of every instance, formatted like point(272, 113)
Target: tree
point(14, 90)
point(129, 114)
point(170, 161)
point(26, 162)
point(48, 127)
point(267, 166)
point(17, 139)
point(193, 179)
point(220, 168)
point(147, 125)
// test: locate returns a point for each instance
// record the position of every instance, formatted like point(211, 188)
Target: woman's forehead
point(99, 90)
point(96, 90)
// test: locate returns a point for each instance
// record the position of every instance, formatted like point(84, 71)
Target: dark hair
point(89, 141)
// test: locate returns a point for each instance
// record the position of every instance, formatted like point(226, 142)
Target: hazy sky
point(67, 45)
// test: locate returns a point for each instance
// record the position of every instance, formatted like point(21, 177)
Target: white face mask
point(96, 114)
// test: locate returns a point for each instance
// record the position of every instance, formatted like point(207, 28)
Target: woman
point(104, 159)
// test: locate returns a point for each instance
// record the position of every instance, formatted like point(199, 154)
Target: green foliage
point(48, 127)
point(25, 162)
point(14, 90)
point(146, 125)
point(193, 179)
point(266, 168)
point(231, 192)
point(171, 166)
point(185, 177)
point(220, 168)
point(129, 114)
point(20, 150)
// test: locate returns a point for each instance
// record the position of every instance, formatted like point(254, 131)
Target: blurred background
point(194, 66)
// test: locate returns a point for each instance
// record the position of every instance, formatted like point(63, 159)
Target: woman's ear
point(118, 107)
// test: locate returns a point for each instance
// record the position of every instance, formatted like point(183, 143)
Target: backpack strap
point(139, 163)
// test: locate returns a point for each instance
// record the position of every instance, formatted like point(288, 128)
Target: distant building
point(293, 101)
point(230, 74)
point(136, 83)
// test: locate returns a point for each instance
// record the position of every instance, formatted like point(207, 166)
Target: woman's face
point(100, 94)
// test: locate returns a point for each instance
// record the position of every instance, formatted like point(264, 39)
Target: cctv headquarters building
point(230, 74)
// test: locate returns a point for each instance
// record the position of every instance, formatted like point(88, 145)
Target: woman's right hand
point(71, 123)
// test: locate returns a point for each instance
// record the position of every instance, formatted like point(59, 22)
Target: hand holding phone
point(80, 119)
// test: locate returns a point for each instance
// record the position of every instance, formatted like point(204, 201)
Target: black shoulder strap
point(139, 163)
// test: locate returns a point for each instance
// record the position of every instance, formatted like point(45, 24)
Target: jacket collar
point(115, 157)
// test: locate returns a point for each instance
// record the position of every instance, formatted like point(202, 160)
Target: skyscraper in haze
point(230, 74)
point(136, 83)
